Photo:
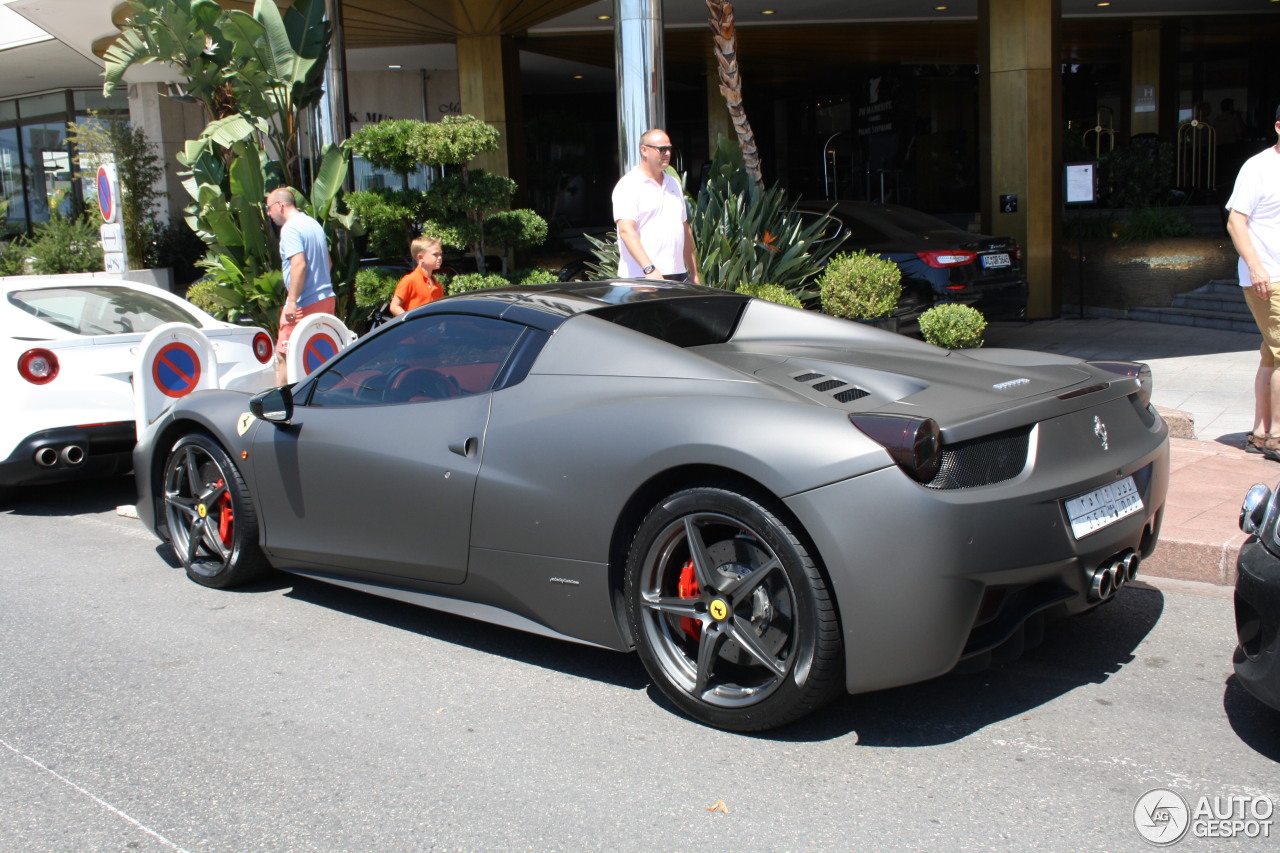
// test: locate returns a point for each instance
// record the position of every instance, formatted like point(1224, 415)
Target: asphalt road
point(142, 712)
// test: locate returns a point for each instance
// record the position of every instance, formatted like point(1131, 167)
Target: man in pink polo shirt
point(654, 237)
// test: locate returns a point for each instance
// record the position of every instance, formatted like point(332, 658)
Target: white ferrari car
point(70, 347)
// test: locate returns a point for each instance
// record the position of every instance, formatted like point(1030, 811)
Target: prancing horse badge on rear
point(1100, 430)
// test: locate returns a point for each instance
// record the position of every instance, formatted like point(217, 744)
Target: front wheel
point(730, 615)
point(212, 524)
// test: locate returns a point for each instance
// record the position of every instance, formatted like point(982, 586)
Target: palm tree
point(726, 50)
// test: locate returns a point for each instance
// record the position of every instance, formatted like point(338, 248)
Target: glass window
point(101, 309)
point(8, 110)
point(91, 99)
point(11, 206)
point(48, 169)
point(428, 358)
point(53, 103)
point(368, 176)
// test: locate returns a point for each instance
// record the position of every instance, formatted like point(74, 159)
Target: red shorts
point(324, 306)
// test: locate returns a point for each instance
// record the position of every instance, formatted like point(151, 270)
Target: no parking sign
point(173, 360)
point(316, 339)
point(115, 256)
point(175, 370)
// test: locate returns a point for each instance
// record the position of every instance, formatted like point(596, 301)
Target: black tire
point(730, 615)
point(212, 525)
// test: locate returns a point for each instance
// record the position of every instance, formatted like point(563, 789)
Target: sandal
point(1271, 448)
point(1254, 443)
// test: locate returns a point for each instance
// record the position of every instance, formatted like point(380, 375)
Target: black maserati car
point(939, 262)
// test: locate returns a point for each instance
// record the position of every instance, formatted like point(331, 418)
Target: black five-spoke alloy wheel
point(212, 525)
point(730, 615)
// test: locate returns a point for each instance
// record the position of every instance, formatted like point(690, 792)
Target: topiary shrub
point(65, 244)
point(771, 293)
point(468, 282)
point(535, 275)
point(374, 286)
point(953, 326)
point(13, 258)
point(860, 286)
point(201, 295)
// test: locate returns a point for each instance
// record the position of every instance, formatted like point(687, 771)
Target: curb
point(1200, 536)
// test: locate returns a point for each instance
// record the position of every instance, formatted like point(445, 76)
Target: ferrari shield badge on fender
point(1100, 430)
point(246, 421)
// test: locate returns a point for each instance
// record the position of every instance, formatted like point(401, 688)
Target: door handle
point(466, 447)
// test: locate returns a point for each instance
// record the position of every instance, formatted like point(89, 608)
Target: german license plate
point(1102, 507)
point(992, 262)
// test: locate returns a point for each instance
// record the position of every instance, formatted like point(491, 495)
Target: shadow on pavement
point(603, 665)
point(66, 499)
point(1086, 649)
point(1257, 725)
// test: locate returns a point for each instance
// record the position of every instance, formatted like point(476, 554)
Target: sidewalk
point(1203, 385)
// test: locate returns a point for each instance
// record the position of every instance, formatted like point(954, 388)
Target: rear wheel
point(730, 615)
point(212, 525)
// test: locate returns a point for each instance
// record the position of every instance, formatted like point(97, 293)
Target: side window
point(429, 358)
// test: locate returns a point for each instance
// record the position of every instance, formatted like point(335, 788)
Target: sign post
point(115, 255)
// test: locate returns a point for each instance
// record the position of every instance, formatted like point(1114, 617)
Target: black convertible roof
point(564, 300)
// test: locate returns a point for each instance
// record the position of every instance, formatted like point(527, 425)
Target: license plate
point(1102, 507)
point(992, 262)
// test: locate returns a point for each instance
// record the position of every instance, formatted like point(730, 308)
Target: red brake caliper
point(688, 588)
point(226, 517)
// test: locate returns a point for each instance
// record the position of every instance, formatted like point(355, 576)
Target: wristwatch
point(648, 269)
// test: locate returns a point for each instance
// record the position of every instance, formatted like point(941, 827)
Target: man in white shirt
point(1254, 226)
point(654, 237)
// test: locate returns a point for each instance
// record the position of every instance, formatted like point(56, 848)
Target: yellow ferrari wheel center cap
point(718, 609)
point(202, 510)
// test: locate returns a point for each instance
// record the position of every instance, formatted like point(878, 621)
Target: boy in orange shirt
point(420, 286)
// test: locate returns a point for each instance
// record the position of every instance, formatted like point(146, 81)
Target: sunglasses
point(664, 149)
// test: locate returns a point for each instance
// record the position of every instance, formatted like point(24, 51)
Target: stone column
point(1021, 137)
point(482, 87)
point(168, 124)
point(638, 63)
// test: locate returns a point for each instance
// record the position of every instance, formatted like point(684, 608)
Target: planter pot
point(889, 324)
point(1116, 275)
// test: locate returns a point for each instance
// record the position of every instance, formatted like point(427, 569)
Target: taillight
point(951, 258)
point(1017, 253)
point(915, 444)
point(262, 347)
point(38, 366)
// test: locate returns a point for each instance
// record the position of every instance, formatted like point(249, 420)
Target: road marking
point(97, 800)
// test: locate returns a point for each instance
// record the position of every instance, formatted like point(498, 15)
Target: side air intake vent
point(983, 461)
point(808, 377)
point(829, 385)
point(851, 394)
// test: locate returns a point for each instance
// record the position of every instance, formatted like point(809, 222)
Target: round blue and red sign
point(106, 195)
point(318, 350)
point(176, 370)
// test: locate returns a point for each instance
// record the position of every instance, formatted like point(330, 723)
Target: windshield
point(101, 309)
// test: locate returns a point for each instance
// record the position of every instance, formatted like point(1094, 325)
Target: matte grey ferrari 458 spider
point(769, 505)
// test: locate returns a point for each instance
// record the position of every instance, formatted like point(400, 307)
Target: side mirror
point(274, 406)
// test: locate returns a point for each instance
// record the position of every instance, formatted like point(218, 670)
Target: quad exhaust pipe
point(71, 455)
point(1113, 574)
